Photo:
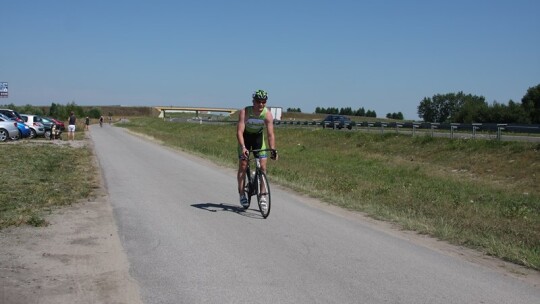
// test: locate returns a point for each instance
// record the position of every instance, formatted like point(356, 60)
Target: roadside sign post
point(475, 126)
point(500, 128)
point(414, 126)
point(453, 127)
point(434, 125)
point(369, 125)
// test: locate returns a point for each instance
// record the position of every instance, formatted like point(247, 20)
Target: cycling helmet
point(260, 95)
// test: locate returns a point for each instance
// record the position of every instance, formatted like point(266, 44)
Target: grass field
point(42, 176)
point(476, 193)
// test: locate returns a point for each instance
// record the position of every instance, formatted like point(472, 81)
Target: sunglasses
point(260, 101)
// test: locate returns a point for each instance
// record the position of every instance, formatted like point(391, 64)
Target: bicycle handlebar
point(261, 150)
point(273, 151)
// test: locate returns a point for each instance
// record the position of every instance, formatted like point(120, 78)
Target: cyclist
point(250, 135)
point(72, 120)
point(101, 121)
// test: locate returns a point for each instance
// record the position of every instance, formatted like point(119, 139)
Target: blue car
point(24, 130)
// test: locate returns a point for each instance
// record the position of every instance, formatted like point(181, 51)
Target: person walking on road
point(250, 134)
point(86, 123)
point(72, 120)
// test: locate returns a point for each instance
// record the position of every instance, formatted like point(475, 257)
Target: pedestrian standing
point(71, 126)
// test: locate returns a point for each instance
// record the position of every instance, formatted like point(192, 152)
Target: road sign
point(4, 89)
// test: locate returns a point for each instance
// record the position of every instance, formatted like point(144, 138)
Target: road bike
point(256, 183)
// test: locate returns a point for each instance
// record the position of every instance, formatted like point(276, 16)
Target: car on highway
point(337, 122)
point(34, 122)
point(8, 130)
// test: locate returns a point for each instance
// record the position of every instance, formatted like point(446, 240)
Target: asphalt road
point(188, 241)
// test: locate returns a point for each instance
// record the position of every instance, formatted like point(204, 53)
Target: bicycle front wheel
point(263, 194)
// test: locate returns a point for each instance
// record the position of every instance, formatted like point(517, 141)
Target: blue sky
point(382, 55)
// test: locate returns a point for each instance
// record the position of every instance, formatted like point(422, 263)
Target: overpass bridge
point(163, 110)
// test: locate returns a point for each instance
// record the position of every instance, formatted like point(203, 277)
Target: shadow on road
point(228, 208)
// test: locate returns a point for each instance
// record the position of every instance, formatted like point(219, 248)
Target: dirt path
point(78, 258)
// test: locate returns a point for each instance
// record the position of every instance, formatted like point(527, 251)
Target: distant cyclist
point(101, 121)
point(250, 135)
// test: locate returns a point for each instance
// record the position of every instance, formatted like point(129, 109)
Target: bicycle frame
point(255, 180)
point(252, 176)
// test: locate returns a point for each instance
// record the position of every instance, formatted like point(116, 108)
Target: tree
point(531, 104)
point(370, 113)
point(444, 108)
point(29, 109)
point(472, 111)
point(94, 113)
point(516, 113)
point(53, 110)
point(360, 112)
point(346, 111)
point(397, 116)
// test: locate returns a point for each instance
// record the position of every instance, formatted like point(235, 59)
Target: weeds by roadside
point(36, 177)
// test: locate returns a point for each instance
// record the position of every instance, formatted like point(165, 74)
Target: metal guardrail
point(516, 128)
point(512, 132)
point(455, 130)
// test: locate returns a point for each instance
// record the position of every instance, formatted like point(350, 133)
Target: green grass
point(476, 193)
point(38, 177)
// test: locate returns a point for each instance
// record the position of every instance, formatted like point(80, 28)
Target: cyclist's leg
point(241, 175)
point(263, 155)
point(242, 163)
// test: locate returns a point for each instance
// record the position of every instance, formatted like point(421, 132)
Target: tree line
point(346, 111)
point(56, 110)
point(341, 111)
point(466, 108)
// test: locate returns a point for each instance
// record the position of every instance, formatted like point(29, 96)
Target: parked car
point(36, 127)
point(338, 121)
point(12, 114)
point(24, 130)
point(58, 123)
point(8, 130)
point(48, 126)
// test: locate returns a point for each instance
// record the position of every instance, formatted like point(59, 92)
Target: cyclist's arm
point(269, 122)
point(240, 127)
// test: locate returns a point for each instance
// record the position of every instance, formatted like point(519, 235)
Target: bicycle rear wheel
point(263, 193)
point(246, 190)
